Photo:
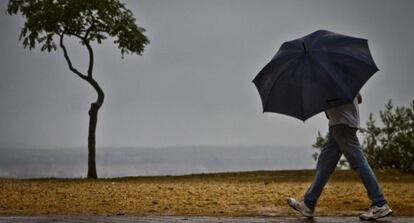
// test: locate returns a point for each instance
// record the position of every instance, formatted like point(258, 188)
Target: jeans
point(342, 139)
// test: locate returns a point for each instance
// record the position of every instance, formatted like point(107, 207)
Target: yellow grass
point(226, 194)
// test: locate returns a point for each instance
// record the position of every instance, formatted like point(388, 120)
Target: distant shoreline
point(118, 162)
point(279, 175)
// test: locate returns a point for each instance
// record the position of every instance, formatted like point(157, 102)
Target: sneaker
point(301, 207)
point(376, 212)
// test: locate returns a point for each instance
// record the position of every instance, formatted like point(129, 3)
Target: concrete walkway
point(187, 219)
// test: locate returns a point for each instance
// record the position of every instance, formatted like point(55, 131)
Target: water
point(118, 162)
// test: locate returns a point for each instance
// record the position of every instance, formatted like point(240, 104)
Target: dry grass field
point(258, 193)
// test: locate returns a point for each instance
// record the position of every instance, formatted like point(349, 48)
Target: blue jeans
point(342, 139)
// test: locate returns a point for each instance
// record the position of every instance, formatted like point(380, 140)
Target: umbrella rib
point(301, 90)
point(286, 53)
point(347, 55)
point(334, 80)
point(334, 40)
point(275, 80)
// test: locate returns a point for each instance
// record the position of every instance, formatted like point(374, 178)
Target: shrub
point(388, 145)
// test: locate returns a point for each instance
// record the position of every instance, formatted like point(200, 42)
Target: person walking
point(344, 122)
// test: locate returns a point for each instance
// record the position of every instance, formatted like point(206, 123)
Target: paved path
point(188, 219)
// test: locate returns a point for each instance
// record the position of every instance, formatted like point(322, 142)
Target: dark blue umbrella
point(314, 73)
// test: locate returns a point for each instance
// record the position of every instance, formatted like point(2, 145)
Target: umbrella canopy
point(314, 73)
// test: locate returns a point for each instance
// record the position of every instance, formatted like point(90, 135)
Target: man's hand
point(359, 98)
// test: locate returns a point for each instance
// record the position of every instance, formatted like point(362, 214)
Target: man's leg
point(347, 141)
point(327, 162)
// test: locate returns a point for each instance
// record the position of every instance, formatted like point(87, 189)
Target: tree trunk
point(93, 118)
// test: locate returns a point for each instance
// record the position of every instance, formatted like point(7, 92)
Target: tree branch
point(85, 40)
point(89, 28)
point(65, 53)
point(91, 59)
point(89, 77)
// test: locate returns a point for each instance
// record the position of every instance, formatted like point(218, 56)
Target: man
point(342, 139)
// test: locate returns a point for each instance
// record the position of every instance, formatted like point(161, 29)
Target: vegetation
point(48, 22)
point(389, 144)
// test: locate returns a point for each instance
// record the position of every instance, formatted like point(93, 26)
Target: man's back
point(346, 114)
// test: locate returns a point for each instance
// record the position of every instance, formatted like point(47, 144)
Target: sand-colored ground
point(235, 194)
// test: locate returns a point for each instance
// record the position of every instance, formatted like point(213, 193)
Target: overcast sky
point(192, 86)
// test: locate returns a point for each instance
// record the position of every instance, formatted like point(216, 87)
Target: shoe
point(301, 207)
point(376, 212)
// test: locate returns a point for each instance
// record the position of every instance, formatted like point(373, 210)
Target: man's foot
point(376, 212)
point(301, 207)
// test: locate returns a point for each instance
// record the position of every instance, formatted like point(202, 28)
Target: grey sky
point(192, 86)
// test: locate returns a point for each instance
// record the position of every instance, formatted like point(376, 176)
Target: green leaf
point(90, 20)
